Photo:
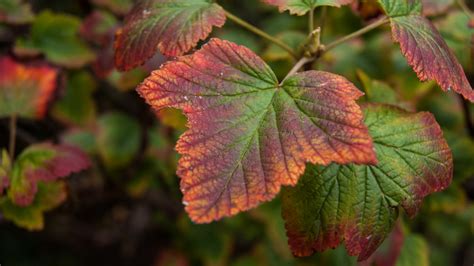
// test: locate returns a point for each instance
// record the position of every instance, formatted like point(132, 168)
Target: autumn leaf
point(42, 163)
point(301, 7)
point(360, 204)
point(15, 12)
point(248, 134)
point(424, 48)
point(57, 37)
point(49, 196)
point(172, 26)
point(25, 90)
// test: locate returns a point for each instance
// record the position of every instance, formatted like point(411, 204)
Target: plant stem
point(357, 33)
point(465, 8)
point(12, 136)
point(311, 20)
point(261, 33)
point(297, 67)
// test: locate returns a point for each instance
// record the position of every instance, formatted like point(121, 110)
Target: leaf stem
point(12, 136)
point(297, 66)
point(261, 33)
point(357, 33)
point(311, 20)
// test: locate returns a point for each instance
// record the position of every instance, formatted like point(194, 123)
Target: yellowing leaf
point(25, 90)
point(172, 26)
point(360, 204)
point(248, 134)
point(49, 196)
point(42, 163)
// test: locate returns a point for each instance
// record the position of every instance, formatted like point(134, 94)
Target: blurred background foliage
point(127, 210)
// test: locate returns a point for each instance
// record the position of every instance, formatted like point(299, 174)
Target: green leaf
point(380, 92)
point(359, 204)
point(25, 90)
point(15, 12)
point(82, 139)
point(424, 48)
point(42, 162)
point(49, 196)
point(414, 252)
point(76, 106)
point(56, 35)
point(301, 7)
point(248, 134)
point(118, 139)
point(172, 26)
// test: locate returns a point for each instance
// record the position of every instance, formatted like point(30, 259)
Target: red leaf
point(25, 90)
point(429, 55)
point(247, 134)
point(172, 26)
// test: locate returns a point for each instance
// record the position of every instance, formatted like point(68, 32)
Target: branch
point(357, 33)
point(261, 33)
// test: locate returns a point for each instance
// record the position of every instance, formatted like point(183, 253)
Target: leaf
point(249, 135)
point(49, 196)
point(388, 253)
point(414, 252)
point(25, 90)
point(380, 92)
point(118, 139)
point(15, 12)
point(172, 26)
point(57, 36)
point(436, 7)
point(42, 162)
point(301, 7)
point(5, 167)
point(119, 7)
point(77, 105)
point(424, 48)
point(359, 204)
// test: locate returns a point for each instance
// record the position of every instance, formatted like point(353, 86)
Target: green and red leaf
point(25, 90)
point(42, 163)
point(424, 48)
point(248, 134)
point(49, 196)
point(360, 204)
point(301, 7)
point(172, 26)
